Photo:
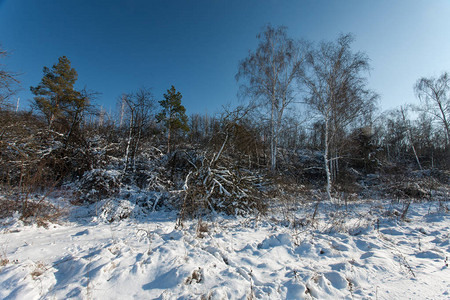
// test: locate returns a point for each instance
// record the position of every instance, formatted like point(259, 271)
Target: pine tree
point(56, 97)
point(173, 114)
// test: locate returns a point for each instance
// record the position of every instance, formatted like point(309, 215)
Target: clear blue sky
point(119, 46)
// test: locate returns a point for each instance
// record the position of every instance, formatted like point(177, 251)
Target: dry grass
point(32, 208)
point(202, 228)
point(38, 271)
point(3, 260)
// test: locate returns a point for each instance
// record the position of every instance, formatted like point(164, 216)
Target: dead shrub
point(404, 188)
point(38, 270)
point(212, 188)
point(29, 198)
point(3, 262)
point(202, 228)
point(7, 207)
point(31, 208)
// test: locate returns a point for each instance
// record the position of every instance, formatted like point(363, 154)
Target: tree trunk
point(273, 155)
point(130, 133)
point(446, 125)
point(168, 140)
point(410, 138)
point(326, 159)
point(136, 147)
point(72, 126)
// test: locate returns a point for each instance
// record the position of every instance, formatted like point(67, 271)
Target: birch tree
point(268, 76)
point(336, 91)
point(138, 107)
point(435, 95)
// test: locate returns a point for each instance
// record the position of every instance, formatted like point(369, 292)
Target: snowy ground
point(362, 253)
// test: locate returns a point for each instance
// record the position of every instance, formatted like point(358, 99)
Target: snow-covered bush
point(222, 188)
point(116, 210)
point(99, 184)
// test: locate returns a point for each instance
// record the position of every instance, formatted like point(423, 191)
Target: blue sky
point(119, 46)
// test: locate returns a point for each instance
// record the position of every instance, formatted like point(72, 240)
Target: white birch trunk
point(411, 139)
point(326, 158)
point(122, 111)
point(130, 133)
point(273, 155)
point(137, 146)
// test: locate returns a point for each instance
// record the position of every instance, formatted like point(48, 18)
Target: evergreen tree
point(173, 114)
point(56, 97)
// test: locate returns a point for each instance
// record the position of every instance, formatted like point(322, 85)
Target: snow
point(360, 253)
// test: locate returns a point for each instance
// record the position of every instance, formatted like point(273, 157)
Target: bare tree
point(76, 115)
point(8, 82)
point(392, 135)
point(435, 93)
point(270, 74)
point(336, 91)
point(410, 136)
point(138, 107)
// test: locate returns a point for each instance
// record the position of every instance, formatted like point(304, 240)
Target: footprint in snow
point(338, 267)
point(440, 242)
point(336, 280)
point(295, 290)
point(339, 246)
point(84, 232)
point(365, 246)
point(304, 249)
point(281, 239)
point(429, 255)
point(174, 235)
point(391, 231)
point(366, 255)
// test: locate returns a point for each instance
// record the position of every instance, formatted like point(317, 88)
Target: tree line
point(309, 116)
